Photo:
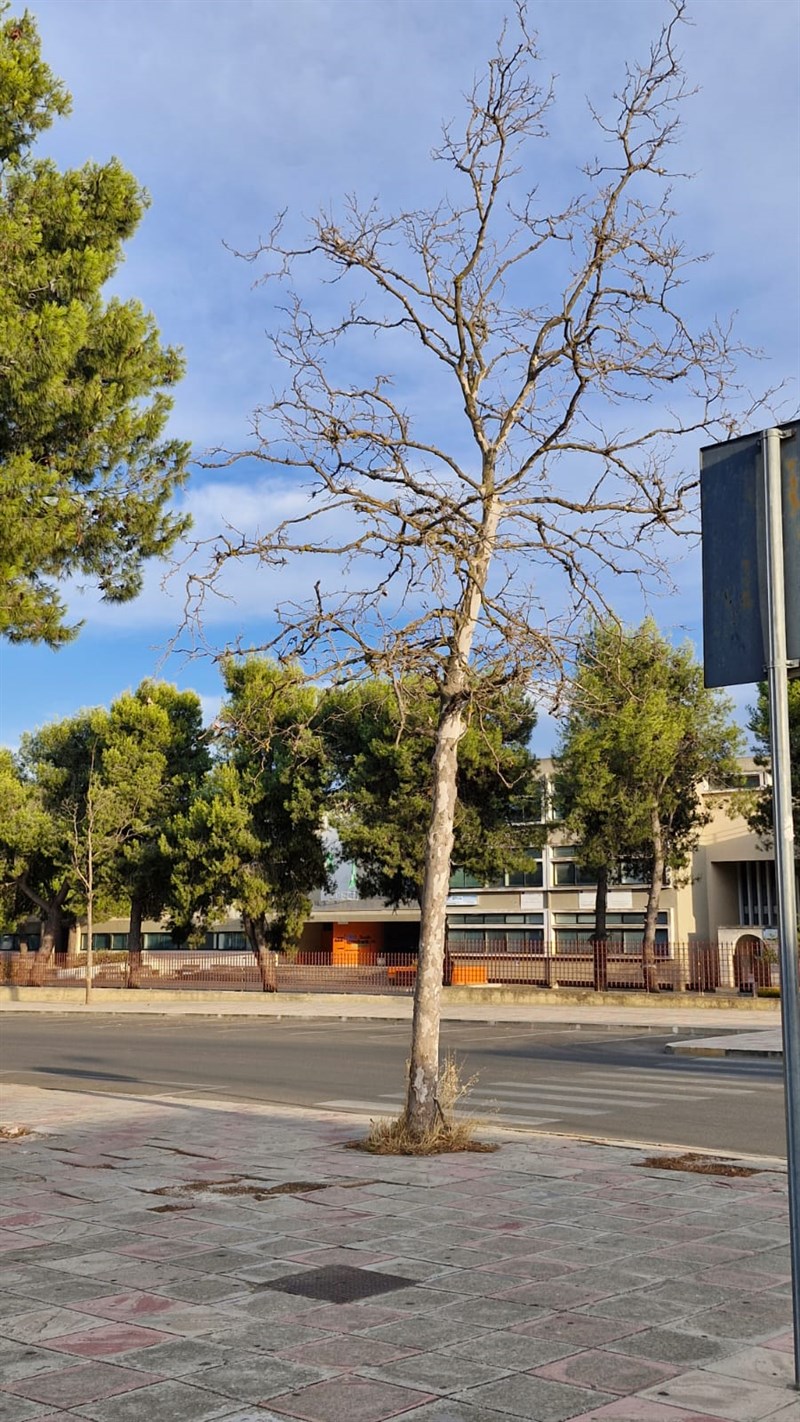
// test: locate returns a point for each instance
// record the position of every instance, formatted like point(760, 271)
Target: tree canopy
point(381, 739)
point(640, 734)
point(253, 835)
point(760, 811)
point(86, 470)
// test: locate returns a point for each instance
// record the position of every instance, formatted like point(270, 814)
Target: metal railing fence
point(746, 968)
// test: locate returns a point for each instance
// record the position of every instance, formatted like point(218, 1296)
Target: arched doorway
point(751, 968)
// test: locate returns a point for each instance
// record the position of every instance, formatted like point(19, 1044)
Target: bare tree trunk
point(599, 943)
point(258, 938)
point(653, 900)
point(135, 941)
point(423, 1075)
point(89, 919)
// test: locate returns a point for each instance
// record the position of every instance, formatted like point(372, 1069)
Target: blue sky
point(228, 110)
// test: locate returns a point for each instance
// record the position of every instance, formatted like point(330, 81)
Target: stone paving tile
point(73, 1387)
point(752, 1318)
point(348, 1400)
point(530, 1397)
point(46, 1288)
point(436, 1372)
point(492, 1313)
point(164, 1402)
point(511, 1350)
point(108, 1341)
point(611, 1372)
point(670, 1345)
point(640, 1409)
point(576, 1329)
point(447, 1409)
point(16, 1409)
point(757, 1365)
point(636, 1308)
point(784, 1343)
point(43, 1323)
point(352, 1318)
point(250, 1377)
point(734, 1399)
point(178, 1357)
point(20, 1360)
point(344, 1352)
point(126, 1307)
point(557, 1294)
point(423, 1333)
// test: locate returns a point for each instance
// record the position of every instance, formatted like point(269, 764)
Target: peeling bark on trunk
point(599, 943)
point(423, 1077)
point(649, 965)
point(422, 1106)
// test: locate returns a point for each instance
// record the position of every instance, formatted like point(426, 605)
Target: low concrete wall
point(587, 997)
point(130, 999)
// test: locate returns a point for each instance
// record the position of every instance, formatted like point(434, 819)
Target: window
point(758, 907)
point(568, 873)
point(575, 932)
point(461, 879)
point(531, 876)
point(495, 933)
point(158, 940)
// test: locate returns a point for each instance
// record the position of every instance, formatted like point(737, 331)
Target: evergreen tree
point(253, 835)
point(381, 738)
point(641, 732)
point(759, 814)
point(86, 473)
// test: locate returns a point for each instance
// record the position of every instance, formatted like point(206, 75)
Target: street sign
point(735, 599)
point(750, 492)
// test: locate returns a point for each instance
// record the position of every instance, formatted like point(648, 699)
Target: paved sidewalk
point(182, 1260)
point(655, 1011)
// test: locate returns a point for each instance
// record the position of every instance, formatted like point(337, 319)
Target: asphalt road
point(607, 1083)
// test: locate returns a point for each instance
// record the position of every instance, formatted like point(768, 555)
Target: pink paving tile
point(579, 1329)
point(89, 1382)
point(26, 1220)
point(784, 1343)
point(355, 1398)
point(105, 1342)
point(126, 1307)
point(12, 1239)
point(598, 1369)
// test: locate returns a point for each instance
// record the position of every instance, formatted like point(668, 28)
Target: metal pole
point(777, 669)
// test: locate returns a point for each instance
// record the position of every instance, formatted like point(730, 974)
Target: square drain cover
point(339, 1283)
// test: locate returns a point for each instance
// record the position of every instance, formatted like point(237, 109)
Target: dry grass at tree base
point(447, 1137)
point(697, 1164)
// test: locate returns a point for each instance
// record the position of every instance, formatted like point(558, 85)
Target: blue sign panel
point(735, 636)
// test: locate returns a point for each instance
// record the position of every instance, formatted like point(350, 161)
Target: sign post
point(751, 618)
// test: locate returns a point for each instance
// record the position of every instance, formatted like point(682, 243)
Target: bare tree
point(468, 537)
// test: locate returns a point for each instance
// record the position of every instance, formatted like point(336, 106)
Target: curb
point(688, 1049)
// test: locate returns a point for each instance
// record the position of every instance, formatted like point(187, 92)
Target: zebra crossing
point(589, 1094)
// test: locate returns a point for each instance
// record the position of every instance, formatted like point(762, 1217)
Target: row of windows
point(118, 942)
point(567, 872)
point(490, 939)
